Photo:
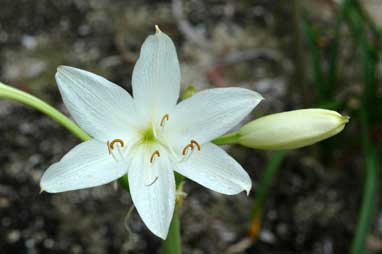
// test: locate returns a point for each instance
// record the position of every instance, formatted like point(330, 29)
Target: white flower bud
point(292, 129)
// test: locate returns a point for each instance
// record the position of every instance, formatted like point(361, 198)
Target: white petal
point(103, 109)
point(86, 165)
point(213, 168)
point(209, 114)
point(152, 188)
point(156, 76)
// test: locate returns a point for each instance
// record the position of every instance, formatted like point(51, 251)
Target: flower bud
point(292, 129)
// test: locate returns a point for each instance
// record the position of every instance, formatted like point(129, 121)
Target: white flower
point(150, 136)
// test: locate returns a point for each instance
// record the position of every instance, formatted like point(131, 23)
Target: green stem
point(334, 47)
point(9, 92)
point(230, 138)
point(266, 181)
point(315, 58)
point(370, 190)
point(368, 60)
point(173, 243)
point(299, 49)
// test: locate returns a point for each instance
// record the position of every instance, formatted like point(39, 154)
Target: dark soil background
point(314, 200)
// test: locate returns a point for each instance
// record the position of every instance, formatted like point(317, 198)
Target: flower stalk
point(8, 92)
point(230, 138)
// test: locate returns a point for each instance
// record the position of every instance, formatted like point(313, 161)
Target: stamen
point(156, 178)
point(164, 118)
point(156, 153)
point(110, 147)
point(193, 142)
point(117, 140)
point(189, 146)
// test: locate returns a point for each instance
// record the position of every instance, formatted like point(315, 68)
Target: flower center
point(148, 136)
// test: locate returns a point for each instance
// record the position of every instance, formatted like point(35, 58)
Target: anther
point(189, 146)
point(156, 178)
point(193, 142)
point(117, 140)
point(164, 118)
point(156, 153)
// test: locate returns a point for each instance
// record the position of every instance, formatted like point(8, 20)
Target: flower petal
point(152, 188)
point(156, 76)
point(103, 109)
point(86, 165)
point(209, 114)
point(213, 168)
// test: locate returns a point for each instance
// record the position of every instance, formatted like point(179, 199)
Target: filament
point(156, 178)
point(108, 146)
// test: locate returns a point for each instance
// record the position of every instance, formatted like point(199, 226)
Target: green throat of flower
point(148, 136)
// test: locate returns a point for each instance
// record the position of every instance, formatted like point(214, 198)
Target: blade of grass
point(318, 74)
point(335, 45)
point(366, 17)
point(300, 72)
point(370, 190)
point(263, 190)
point(367, 53)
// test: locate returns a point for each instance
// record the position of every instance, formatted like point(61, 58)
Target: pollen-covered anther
point(110, 145)
point(189, 146)
point(193, 142)
point(164, 119)
point(155, 154)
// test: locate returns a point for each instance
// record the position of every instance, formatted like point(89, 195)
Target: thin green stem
point(367, 55)
point(173, 243)
point(300, 77)
point(9, 92)
point(266, 181)
point(263, 190)
point(318, 74)
point(370, 190)
point(369, 77)
point(230, 138)
point(335, 45)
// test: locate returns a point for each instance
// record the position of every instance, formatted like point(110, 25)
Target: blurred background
point(324, 199)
